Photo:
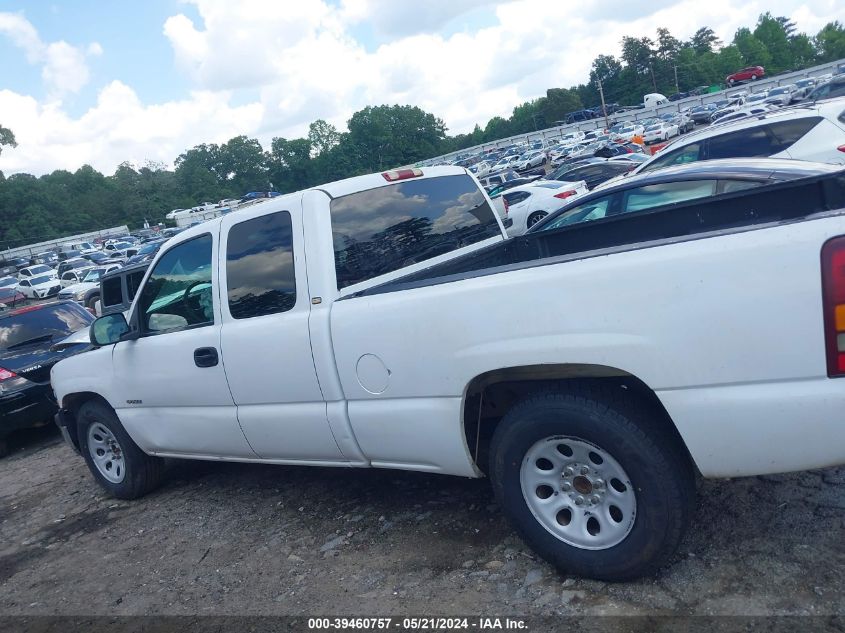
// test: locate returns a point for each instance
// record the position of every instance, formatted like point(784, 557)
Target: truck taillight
point(841, 148)
point(507, 206)
point(563, 195)
point(833, 304)
point(402, 174)
point(5, 374)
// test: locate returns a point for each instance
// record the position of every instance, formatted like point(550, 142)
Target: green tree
point(773, 36)
point(705, 41)
point(830, 42)
point(802, 51)
point(242, 164)
point(558, 103)
point(391, 136)
point(752, 51)
point(322, 136)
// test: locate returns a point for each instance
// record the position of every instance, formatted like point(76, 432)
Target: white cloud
point(298, 61)
point(63, 67)
point(119, 127)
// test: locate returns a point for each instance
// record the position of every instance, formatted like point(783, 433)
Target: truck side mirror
point(109, 329)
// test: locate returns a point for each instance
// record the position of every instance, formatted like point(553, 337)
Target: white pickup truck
point(591, 372)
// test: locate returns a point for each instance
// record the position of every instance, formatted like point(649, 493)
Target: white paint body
point(37, 290)
point(540, 201)
point(725, 329)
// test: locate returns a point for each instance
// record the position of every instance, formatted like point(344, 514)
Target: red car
point(752, 73)
point(10, 296)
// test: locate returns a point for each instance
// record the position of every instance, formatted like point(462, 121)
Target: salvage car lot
point(253, 539)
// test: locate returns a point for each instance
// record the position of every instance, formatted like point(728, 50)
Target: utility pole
point(653, 81)
point(677, 88)
point(603, 107)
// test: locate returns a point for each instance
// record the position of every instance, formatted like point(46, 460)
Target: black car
point(833, 88)
point(72, 264)
point(68, 254)
point(580, 115)
point(12, 265)
point(592, 171)
point(701, 114)
point(27, 339)
point(145, 253)
point(678, 96)
point(671, 186)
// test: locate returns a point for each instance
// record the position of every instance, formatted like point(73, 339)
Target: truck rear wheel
point(591, 485)
point(114, 459)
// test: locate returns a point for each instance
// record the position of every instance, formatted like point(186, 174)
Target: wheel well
point(71, 403)
point(489, 396)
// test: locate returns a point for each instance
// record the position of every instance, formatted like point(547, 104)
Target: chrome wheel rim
point(106, 453)
point(533, 219)
point(578, 492)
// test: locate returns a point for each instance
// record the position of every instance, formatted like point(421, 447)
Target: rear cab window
point(381, 230)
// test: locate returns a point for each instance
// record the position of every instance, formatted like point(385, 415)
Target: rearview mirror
point(109, 329)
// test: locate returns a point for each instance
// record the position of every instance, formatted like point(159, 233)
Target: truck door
point(266, 343)
point(172, 391)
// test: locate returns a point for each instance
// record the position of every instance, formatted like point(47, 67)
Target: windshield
point(58, 320)
point(8, 281)
point(652, 128)
point(94, 274)
point(35, 270)
point(778, 91)
point(40, 280)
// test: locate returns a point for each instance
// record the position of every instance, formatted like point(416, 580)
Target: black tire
point(535, 217)
point(659, 469)
point(142, 474)
point(89, 303)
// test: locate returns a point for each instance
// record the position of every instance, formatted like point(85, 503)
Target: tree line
point(381, 137)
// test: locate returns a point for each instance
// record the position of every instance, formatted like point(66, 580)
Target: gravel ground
point(269, 540)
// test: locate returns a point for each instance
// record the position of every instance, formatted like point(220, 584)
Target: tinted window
point(259, 266)
point(381, 230)
point(178, 292)
point(729, 186)
point(593, 210)
point(650, 196)
point(787, 133)
point(517, 196)
point(762, 140)
point(111, 292)
point(56, 321)
point(687, 154)
point(133, 282)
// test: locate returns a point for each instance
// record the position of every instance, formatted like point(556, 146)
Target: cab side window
point(259, 266)
point(178, 292)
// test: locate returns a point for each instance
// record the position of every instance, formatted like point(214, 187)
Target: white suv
point(808, 132)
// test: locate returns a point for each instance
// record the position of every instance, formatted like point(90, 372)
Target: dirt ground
point(264, 540)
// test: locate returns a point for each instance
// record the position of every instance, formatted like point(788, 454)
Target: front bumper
point(26, 408)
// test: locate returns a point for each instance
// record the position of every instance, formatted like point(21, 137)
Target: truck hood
point(83, 286)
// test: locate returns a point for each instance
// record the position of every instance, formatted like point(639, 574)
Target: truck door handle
point(205, 357)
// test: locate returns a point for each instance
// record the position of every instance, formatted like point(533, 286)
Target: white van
point(654, 99)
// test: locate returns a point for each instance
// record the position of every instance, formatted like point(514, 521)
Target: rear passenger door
point(266, 343)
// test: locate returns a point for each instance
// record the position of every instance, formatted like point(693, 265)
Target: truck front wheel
point(116, 462)
point(591, 485)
